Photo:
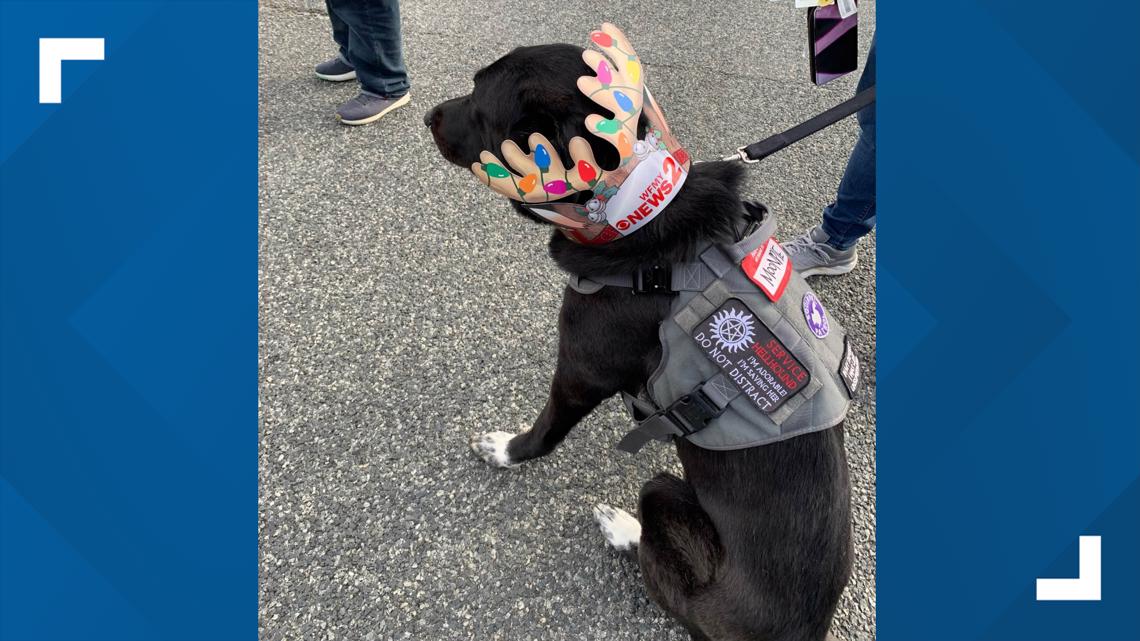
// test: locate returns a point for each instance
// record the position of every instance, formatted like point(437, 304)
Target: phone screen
point(834, 43)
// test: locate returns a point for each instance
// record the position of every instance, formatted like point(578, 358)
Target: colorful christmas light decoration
point(586, 172)
point(633, 70)
point(609, 126)
point(602, 39)
point(542, 158)
point(604, 75)
point(624, 102)
point(495, 170)
point(556, 187)
point(624, 148)
point(526, 185)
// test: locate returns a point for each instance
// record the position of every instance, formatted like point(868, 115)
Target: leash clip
point(742, 156)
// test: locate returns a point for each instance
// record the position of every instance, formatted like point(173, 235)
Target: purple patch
point(815, 316)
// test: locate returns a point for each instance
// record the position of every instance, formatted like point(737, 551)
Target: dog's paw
point(621, 529)
point(492, 448)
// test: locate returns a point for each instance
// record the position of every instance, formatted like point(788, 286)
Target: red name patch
point(769, 267)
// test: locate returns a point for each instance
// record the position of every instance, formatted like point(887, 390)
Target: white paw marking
point(492, 447)
point(621, 529)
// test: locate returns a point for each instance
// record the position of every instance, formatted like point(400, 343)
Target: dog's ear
point(560, 131)
point(605, 153)
point(537, 121)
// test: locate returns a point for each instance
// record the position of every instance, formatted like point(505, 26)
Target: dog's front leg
point(604, 339)
point(571, 399)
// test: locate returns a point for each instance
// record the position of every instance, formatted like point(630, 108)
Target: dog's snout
point(431, 116)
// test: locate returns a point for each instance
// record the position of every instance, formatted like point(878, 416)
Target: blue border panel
point(128, 257)
point(1008, 284)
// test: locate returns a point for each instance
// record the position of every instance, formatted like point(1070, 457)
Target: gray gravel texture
point(404, 309)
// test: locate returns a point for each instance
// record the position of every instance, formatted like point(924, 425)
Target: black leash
point(757, 151)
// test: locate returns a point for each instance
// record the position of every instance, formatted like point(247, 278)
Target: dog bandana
point(650, 173)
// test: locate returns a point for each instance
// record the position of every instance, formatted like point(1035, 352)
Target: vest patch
point(815, 316)
point(849, 369)
point(769, 267)
point(750, 356)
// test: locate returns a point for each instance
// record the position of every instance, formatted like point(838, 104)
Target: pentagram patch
point(750, 356)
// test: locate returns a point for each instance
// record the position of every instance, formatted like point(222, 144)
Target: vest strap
point(687, 415)
point(653, 279)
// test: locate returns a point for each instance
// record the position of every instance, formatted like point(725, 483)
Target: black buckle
point(693, 411)
point(655, 279)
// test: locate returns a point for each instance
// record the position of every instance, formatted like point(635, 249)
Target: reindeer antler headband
point(650, 172)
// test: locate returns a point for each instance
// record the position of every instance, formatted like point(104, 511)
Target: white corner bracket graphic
point(53, 51)
point(1086, 587)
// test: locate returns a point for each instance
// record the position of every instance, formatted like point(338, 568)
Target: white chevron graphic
point(53, 51)
point(1086, 587)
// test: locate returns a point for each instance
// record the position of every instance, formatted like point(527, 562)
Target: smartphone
point(833, 43)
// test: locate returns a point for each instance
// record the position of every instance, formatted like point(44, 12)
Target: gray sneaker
point(811, 255)
point(336, 70)
point(366, 108)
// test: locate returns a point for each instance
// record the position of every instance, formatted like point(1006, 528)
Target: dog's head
point(598, 178)
point(529, 90)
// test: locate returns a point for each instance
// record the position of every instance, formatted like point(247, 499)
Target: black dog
point(751, 544)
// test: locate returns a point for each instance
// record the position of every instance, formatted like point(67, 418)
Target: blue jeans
point(368, 34)
point(852, 215)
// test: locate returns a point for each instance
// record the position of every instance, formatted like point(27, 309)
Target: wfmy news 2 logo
point(53, 53)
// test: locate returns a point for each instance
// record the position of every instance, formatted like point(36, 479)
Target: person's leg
point(339, 31)
point(337, 69)
point(373, 45)
point(829, 248)
point(852, 215)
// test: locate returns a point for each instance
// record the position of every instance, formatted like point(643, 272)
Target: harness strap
point(654, 279)
point(656, 428)
point(687, 415)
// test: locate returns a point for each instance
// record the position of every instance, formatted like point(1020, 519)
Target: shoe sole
point(364, 121)
point(837, 270)
point(351, 75)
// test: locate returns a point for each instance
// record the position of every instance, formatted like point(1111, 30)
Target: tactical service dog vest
point(749, 354)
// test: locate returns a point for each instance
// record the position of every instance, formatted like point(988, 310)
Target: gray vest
point(737, 369)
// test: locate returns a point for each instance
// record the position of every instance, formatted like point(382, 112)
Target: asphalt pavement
point(403, 309)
